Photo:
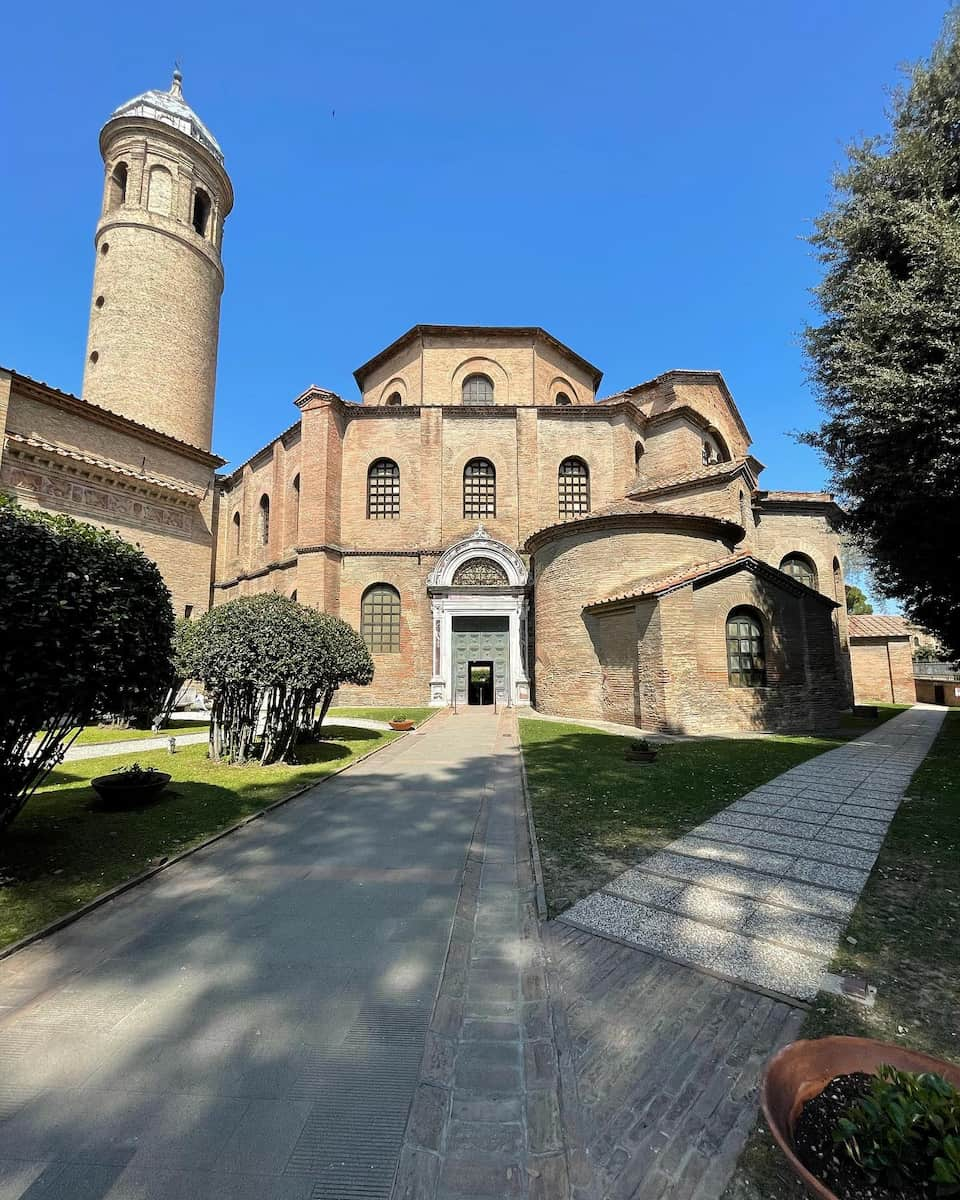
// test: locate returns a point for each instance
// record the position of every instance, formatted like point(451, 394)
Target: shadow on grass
point(597, 814)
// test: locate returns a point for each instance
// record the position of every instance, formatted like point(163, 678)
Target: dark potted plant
point(876, 1120)
point(130, 786)
point(640, 751)
point(401, 723)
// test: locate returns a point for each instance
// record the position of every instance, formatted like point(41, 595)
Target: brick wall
point(882, 670)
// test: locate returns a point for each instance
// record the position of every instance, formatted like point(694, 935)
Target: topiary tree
point(267, 663)
point(85, 628)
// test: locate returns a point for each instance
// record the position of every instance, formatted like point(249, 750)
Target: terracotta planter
point(401, 726)
point(122, 791)
point(803, 1069)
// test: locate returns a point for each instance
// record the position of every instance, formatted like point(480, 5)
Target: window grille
point(477, 390)
point(746, 662)
point(380, 619)
point(479, 489)
point(573, 486)
point(383, 490)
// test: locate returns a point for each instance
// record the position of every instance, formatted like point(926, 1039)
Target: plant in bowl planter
point(130, 786)
point(401, 722)
point(863, 1120)
point(640, 751)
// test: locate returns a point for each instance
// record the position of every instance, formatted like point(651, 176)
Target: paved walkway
point(487, 1119)
point(251, 1023)
point(761, 892)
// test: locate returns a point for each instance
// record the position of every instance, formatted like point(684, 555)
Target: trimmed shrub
point(85, 628)
point(267, 663)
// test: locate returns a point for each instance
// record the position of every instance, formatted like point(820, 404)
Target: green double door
point(481, 643)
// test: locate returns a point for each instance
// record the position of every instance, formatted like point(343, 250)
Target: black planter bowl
point(125, 791)
point(640, 755)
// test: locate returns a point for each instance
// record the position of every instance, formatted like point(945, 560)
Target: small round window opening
point(105, 247)
point(94, 356)
point(100, 302)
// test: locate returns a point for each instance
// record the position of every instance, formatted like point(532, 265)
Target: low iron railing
point(936, 670)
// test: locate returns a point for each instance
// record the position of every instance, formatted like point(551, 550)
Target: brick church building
point(497, 531)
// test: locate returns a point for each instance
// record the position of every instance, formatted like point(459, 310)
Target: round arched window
point(477, 391)
point(800, 568)
point(380, 619)
point(562, 399)
point(394, 399)
point(746, 655)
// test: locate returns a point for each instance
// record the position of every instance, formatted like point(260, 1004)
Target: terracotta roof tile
point(102, 464)
point(717, 470)
point(653, 585)
point(876, 625)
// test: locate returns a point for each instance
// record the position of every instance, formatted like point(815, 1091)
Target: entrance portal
point(481, 642)
point(480, 683)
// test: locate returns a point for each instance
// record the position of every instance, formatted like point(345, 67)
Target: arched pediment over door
point(462, 565)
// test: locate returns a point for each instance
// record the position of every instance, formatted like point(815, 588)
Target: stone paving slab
point(249, 1023)
point(486, 1121)
point(761, 891)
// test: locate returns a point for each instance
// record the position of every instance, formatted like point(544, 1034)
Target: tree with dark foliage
point(85, 628)
point(886, 358)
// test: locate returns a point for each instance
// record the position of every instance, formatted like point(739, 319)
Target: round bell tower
point(158, 276)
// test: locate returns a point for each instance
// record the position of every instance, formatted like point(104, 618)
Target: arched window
point(293, 594)
point(480, 572)
point(118, 185)
point(295, 485)
point(236, 533)
point(477, 390)
point(562, 398)
point(263, 528)
point(573, 486)
point(799, 567)
point(383, 490)
point(744, 511)
point(394, 399)
point(637, 454)
point(380, 619)
point(479, 489)
point(746, 658)
point(160, 191)
point(201, 211)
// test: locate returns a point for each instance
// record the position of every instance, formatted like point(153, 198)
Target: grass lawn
point(63, 850)
point(96, 735)
point(852, 727)
point(907, 931)
point(597, 814)
point(385, 714)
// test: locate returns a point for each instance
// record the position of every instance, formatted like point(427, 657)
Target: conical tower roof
point(171, 108)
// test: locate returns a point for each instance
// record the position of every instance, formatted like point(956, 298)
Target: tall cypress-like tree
point(886, 358)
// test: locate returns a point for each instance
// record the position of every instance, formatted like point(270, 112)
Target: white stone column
point(439, 691)
point(519, 684)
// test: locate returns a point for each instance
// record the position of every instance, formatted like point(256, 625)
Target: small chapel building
point(498, 532)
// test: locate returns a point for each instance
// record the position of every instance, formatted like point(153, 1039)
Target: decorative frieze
point(60, 491)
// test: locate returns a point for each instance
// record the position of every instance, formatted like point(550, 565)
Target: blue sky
point(636, 178)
